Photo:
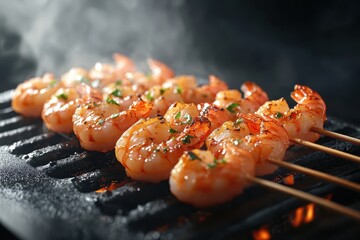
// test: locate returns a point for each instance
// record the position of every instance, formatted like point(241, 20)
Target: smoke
point(63, 34)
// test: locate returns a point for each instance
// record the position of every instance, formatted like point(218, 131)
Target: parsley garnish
point(186, 139)
point(149, 96)
point(172, 131)
point(162, 90)
point(278, 115)
point(63, 96)
point(231, 107)
point(53, 83)
point(177, 116)
point(238, 121)
point(215, 163)
point(188, 119)
point(193, 156)
point(112, 101)
point(118, 82)
point(178, 90)
point(116, 93)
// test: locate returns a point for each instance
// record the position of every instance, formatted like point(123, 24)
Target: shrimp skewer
point(29, 97)
point(232, 101)
point(310, 112)
point(58, 110)
point(150, 149)
point(202, 180)
point(99, 125)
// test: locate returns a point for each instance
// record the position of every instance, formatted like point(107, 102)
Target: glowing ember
point(111, 187)
point(289, 180)
point(262, 234)
point(303, 215)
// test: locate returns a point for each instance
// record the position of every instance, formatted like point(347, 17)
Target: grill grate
point(147, 210)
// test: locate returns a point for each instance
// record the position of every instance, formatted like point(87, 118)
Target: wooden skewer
point(326, 149)
point(318, 174)
point(335, 135)
point(306, 196)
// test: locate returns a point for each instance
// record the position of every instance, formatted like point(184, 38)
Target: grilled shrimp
point(161, 99)
point(59, 109)
point(99, 125)
point(160, 72)
point(122, 92)
point(179, 115)
point(233, 102)
point(202, 180)
point(262, 139)
point(150, 149)
point(309, 112)
point(74, 77)
point(123, 65)
point(29, 97)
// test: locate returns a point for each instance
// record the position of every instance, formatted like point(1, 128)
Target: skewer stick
point(318, 174)
point(307, 197)
point(326, 149)
point(335, 135)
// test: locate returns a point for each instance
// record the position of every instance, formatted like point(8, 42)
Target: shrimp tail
point(254, 92)
point(310, 98)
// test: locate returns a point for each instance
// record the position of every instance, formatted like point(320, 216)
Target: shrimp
point(179, 115)
point(207, 93)
point(160, 72)
point(202, 180)
point(298, 121)
point(29, 97)
point(59, 109)
point(161, 99)
point(149, 149)
point(123, 65)
point(262, 139)
point(99, 125)
point(122, 92)
point(233, 102)
point(217, 116)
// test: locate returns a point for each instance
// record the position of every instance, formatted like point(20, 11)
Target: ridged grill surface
point(145, 210)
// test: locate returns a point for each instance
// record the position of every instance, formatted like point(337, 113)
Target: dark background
point(274, 43)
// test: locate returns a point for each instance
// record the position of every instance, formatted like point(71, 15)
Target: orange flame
point(303, 215)
point(262, 234)
point(111, 187)
point(289, 180)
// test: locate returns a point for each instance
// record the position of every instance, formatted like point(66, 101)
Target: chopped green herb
point(186, 139)
point(193, 156)
point(162, 90)
point(115, 115)
point(231, 107)
point(172, 131)
point(53, 83)
point(238, 121)
point(177, 116)
point(118, 82)
point(112, 101)
point(211, 165)
point(149, 96)
point(165, 149)
point(116, 93)
point(215, 163)
point(63, 96)
point(178, 90)
point(101, 121)
point(188, 119)
point(278, 115)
